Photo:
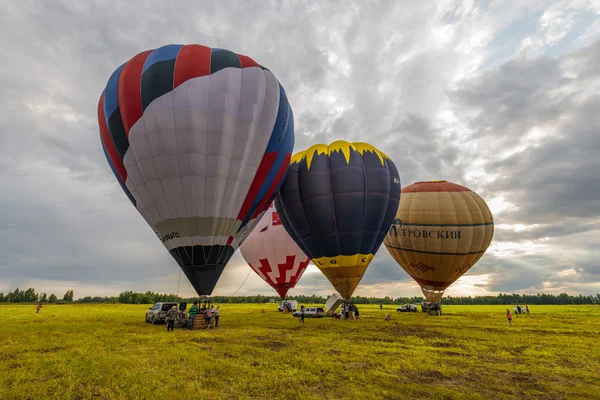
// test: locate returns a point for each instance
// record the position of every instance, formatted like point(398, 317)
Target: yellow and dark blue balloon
point(337, 203)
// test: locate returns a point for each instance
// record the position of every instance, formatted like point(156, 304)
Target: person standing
point(509, 317)
point(527, 309)
point(37, 309)
point(217, 311)
point(302, 313)
point(171, 315)
point(192, 315)
point(208, 317)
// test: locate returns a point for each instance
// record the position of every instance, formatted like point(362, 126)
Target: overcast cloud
point(500, 96)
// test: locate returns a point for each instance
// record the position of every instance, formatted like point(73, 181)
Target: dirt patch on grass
point(441, 344)
point(495, 330)
point(4, 357)
point(563, 362)
point(452, 353)
point(385, 353)
point(403, 331)
point(570, 333)
point(363, 366)
point(424, 376)
point(521, 377)
point(272, 345)
point(202, 343)
point(333, 352)
point(376, 339)
point(518, 349)
point(50, 349)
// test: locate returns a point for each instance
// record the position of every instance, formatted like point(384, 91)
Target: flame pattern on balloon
point(200, 140)
point(273, 254)
point(440, 231)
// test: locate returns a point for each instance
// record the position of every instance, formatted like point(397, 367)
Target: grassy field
point(108, 352)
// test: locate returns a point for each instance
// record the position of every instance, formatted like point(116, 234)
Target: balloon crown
point(438, 181)
point(341, 146)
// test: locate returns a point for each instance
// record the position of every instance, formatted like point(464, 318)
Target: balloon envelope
point(200, 140)
point(337, 203)
point(440, 231)
point(273, 254)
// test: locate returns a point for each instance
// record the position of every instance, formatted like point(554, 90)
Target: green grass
point(108, 352)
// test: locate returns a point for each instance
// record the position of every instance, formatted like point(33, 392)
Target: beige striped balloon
point(440, 231)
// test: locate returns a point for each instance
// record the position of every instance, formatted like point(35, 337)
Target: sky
point(499, 96)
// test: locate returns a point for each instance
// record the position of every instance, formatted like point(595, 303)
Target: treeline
point(30, 296)
point(562, 298)
point(130, 297)
point(523, 299)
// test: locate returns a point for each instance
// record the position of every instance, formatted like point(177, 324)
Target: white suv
point(158, 312)
point(311, 312)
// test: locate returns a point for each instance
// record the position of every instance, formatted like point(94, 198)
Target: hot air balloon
point(440, 231)
point(273, 254)
point(337, 203)
point(200, 140)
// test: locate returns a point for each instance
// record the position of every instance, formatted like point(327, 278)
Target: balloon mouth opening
point(436, 291)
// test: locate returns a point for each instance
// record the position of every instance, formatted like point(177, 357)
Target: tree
point(1, 297)
point(68, 297)
point(30, 296)
point(52, 299)
point(14, 297)
point(43, 298)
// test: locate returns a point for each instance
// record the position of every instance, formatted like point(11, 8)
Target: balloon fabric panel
point(200, 139)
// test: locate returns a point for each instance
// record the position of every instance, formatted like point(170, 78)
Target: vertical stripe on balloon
point(115, 163)
point(112, 167)
point(158, 73)
point(108, 143)
point(192, 61)
point(112, 113)
point(129, 100)
point(221, 59)
point(263, 169)
point(271, 173)
point(247, 62)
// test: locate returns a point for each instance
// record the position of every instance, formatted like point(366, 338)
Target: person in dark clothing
point(171, 315)
point(356, 312)
point(302, 314)
point(381, 306)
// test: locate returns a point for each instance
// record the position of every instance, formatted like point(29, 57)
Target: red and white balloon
point(273, 254)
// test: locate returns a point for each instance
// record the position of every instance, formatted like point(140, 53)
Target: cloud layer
point(498, 97)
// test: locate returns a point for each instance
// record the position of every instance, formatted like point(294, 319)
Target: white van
point(294, 304)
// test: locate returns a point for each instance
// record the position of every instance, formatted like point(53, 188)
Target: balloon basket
point(200, 322)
